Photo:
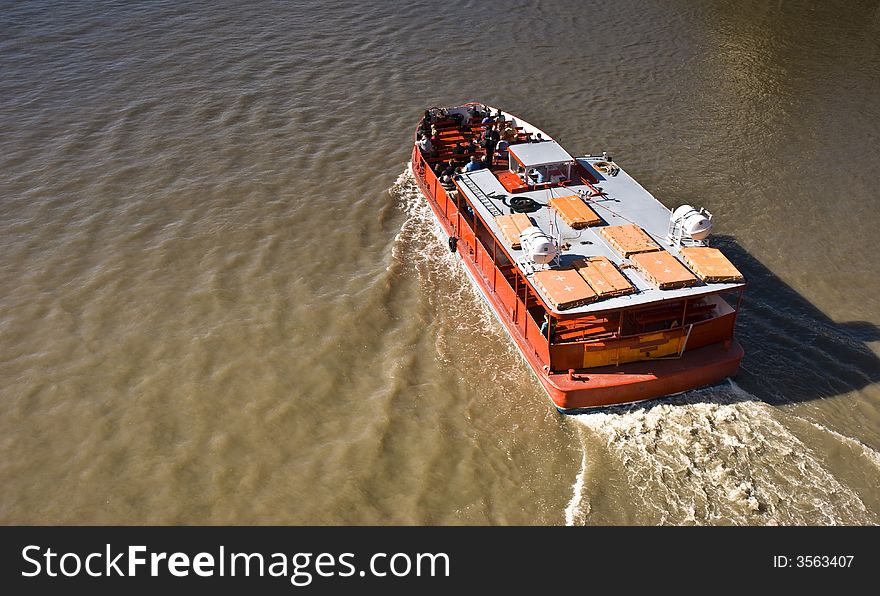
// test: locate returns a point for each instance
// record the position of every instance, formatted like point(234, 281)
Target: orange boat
point(611, 297)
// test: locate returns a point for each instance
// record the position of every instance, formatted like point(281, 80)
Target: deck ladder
point(480, 196)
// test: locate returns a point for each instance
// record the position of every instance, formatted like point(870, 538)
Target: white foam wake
point(713, 456)
point(578, 508)
point(421, 246)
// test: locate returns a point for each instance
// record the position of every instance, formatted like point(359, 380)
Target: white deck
point(625, 201)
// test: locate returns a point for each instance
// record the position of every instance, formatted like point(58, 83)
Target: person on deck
point(426, 146)
point(490, 140)
point(548, 327)
point(450, 168)
point(474, 165)
point(427, 123)
point(491, 133)
point(475, 114)
point(449, 186)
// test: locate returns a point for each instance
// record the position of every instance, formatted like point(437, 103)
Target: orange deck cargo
point(663, 270)
point(565, 288)
point(710, 265)
point(512, 225)
point(575, 212)
point(629, 239)
point(604, 277)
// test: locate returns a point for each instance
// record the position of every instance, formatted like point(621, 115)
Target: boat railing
point(639, 321)
point(613, 345)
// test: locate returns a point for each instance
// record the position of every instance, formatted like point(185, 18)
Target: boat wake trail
point(578, 508)
point(420, 241)
point(420, 246)
point(712, 456)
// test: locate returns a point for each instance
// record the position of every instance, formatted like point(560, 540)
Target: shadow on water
point(794, 351)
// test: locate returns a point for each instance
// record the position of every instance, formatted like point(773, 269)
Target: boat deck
point(625, 202)
point(622, 202)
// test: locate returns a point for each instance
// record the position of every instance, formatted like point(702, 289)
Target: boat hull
point(640, 381)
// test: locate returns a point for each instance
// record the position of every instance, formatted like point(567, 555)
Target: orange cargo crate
point(629, 239)
point(512, 225)
point(604, 277)
point(564, 288)
point(663, 270)
point(710, 265)
point(575, 212)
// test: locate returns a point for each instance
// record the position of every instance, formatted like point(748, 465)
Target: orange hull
point(638, 381)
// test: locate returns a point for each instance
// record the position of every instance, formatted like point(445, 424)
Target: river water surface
point(223, 300)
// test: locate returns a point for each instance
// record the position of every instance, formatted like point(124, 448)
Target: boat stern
point(573, 392)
